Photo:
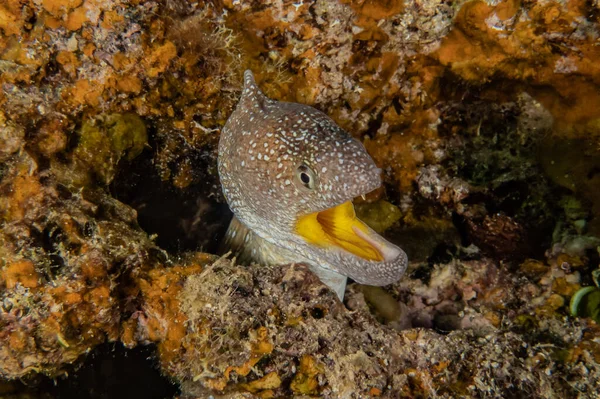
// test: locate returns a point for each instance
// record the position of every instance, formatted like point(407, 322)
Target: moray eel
point(289, 175)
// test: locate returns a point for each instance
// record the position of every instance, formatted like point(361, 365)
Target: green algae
point(586, 301)
point(383, 305)
point(380, 215)
point(106, 141)
point(526, 323)
point(574, 164)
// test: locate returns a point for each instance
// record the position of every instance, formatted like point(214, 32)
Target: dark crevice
point(375, 125)
point(443, 253)
point(183, 219)
point(594, 171)
point(111, 371)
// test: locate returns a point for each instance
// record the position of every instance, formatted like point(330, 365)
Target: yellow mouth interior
point(334, 227)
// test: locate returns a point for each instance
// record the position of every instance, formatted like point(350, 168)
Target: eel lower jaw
point(339, 229)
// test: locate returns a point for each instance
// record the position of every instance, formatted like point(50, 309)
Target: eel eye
point(307, 176)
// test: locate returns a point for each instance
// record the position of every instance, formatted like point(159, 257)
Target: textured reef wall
point(484, 116)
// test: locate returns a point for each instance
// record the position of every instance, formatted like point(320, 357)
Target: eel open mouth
point(340, 228)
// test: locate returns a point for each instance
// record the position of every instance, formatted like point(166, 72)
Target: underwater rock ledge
point(71, 281)
point(278, 331)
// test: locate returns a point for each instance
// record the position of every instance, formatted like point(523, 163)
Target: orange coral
point(369, 12)
point(305, 381)
point(129, 84)
point(8, 20)
point(85, 92)
point(69, 61)
point(260, 346)
point(27, 193)
point(20, 272)
point(76, 19)
point(264, 386)
point(159, 58)
point(164, 323)
point(60, 7)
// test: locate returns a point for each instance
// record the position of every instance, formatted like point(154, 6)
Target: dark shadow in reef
point(111, 371)
point(188, 219)
point(513, 207)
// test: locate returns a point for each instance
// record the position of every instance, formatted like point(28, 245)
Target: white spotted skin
point(261, 148)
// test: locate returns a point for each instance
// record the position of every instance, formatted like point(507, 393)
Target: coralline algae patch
point(548, 48)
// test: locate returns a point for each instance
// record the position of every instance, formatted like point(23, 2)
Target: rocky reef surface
point(484, 116)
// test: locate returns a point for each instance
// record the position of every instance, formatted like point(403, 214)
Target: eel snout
point(355, 250)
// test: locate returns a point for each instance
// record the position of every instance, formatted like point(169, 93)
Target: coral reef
point(278, 331)
point(64, 246)
point(483, 115)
